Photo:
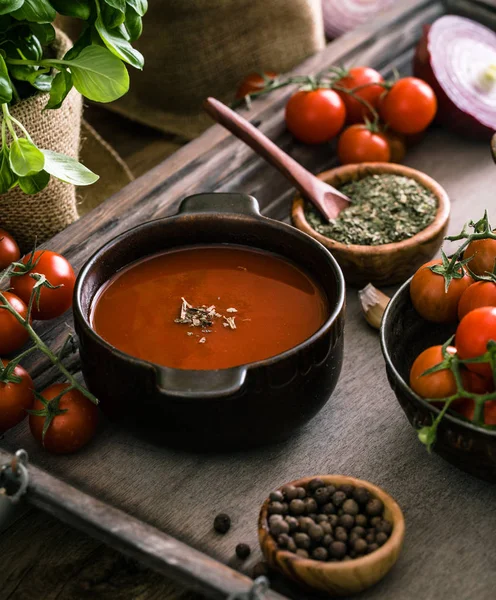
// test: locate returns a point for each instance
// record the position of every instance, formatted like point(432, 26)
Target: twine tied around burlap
point(37, 217)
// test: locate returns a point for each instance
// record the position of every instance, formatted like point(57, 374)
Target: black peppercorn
point(315, 484)
point(273, 518)
point(347, 557)
point(337, 549)
point(326, 527)
point(322, 495)
point(291, 546)
point(320, 553)
point(381, 538)
point(361, 520)
point(372, 547)
point(361, 495)
point(316, 533)
point(384, 526)
point(374, 521)
point(310, 505)
point(352, 537)
point(292, 522)
point(260, 569)
point(333, 520)
point(278, 527)
point(276, 496)
point(302, 552)
point(350, 507)
point(313, 516)
point(283, 539)
point(346, 521)
point(222, 523)
point(302, 493)
point(359, 531)
point(327, 540)
point(340, 534)
point(322, 519)
point(296, 507)
point(304, 523)
point(243, 551)
point(331, 489)
point(289, 492)
point(338, 498)
point(329, 508)
point(370, 538)
point(276, 508)
point(374, 507)
point(302, 540)
point(360, 546)
point(347, 488)
point(285, 508)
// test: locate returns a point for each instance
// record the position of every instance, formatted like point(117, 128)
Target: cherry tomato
point(440, 384)
point(480, 293)
point(58, 272)
point(315, 117)
point(15, 398)
point(356, 78)
point(359, 144)
point(70, 431)
point(466, 409)
point(253, 82)
point(409, 106)
point(484, 256)
point(9, 250)
point(431, 301)
point(474, 332)
point(12, 333)
point(397, 146)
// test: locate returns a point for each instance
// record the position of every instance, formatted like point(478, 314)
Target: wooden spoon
point(327, 199)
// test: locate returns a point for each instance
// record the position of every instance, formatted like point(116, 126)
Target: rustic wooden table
point(449, 549)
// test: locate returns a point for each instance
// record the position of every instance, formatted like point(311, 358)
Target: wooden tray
point(450, 543)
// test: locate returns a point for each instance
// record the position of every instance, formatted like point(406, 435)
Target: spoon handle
point(310, 186)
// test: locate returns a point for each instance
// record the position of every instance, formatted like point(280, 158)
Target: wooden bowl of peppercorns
point(331, 533)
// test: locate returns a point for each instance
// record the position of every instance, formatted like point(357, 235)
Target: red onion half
point(341, 16)
point(457, 57)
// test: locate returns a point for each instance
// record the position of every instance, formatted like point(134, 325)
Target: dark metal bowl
point(242, 406)
point(404, 335)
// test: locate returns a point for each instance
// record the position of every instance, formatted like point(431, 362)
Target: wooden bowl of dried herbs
point(396, 222)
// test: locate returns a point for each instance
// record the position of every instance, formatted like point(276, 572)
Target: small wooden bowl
point(337, 578)
point(388, 263)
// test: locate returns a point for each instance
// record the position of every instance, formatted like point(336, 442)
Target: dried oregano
point(384, 209)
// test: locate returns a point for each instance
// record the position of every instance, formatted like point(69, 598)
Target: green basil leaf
point(43, 82)
point(36, 11)
point(34, 183)
point(99, 75)
point(140, 6)
point(44, 32)
point(112, 17)
point(22, 72)
point(117, 4)
point(61, 86)
point(8, 6)
point(119, 46)
point(68, 169)
point(5, 85)
point(83, 41)
point(79, 9)
point(25, 158)
point(134, 24)
point(8, 179)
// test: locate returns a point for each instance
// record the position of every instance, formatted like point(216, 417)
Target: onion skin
point(448, 115)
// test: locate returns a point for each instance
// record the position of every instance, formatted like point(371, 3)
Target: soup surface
point(208, 307)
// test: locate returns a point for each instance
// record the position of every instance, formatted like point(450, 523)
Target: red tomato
point(9, 250)
point(359, 144)
point(475, 330)
point(434, 385)
point(484, 256)
point(13, 335)
point(253, 82)
point(71, 430)
point(15, 398)
point(431, 301)
point(466, 408)
point(480, 293)
point(315, 117)
point(58, 272)
point(409, 106)
point(356, 78)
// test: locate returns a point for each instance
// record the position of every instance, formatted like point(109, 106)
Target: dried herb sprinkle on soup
point(384, 209)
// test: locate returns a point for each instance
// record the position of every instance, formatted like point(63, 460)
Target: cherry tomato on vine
point(483, 253)
point(9, 250)
point(356, 78)
point(253, 82)
point(68, 431)
point(360, 143)
point(480, 293)
point(466, 409)
point(13, 335)
point(316, 116)
point(409, 106)
point(58, 272)
point(473, 334)
point(431, 301)
point(440, 384)
point(15, 398)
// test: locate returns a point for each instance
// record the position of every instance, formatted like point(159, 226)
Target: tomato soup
point(209, 307)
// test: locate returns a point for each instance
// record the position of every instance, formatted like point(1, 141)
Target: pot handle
point(220, 202)
point(200, 384)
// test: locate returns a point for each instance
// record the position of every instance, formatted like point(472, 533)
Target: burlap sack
point(199, 48)
point(38, 217)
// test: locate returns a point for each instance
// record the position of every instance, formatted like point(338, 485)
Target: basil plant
point(95, 66)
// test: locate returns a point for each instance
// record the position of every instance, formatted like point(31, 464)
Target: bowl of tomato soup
point(217, 327)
